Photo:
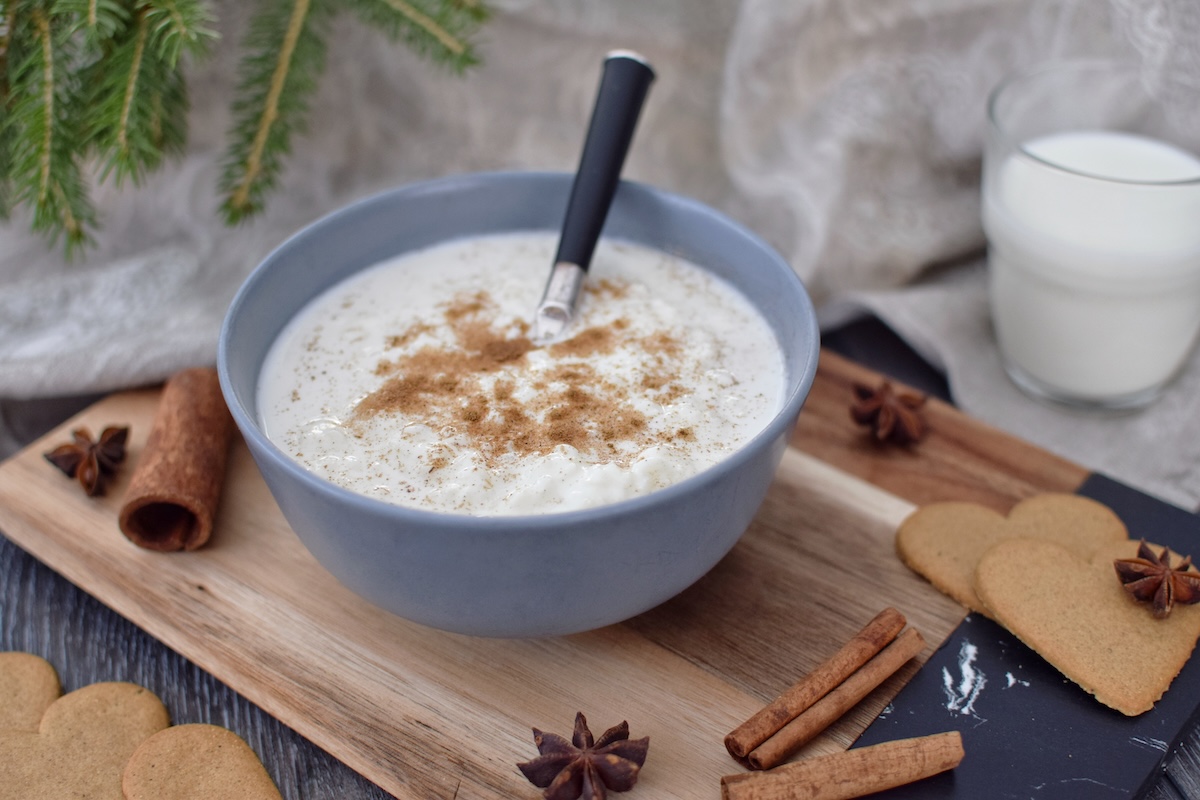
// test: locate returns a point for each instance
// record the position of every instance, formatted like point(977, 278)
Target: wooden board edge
point(960, 458)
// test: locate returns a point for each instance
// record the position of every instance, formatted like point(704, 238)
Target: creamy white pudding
point(415, 380)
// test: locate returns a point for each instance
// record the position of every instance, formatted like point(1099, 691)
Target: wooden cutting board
point(426, 714)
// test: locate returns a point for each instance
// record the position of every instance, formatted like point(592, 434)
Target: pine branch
point(117, 104)
point(179, 26)
point(103, 80)
point(166, 125)
point(279, 75)
point(285, 61)
point(45, 115)
point(7, 18)
point(99, 20)
point(132, 89)
point(439, 29)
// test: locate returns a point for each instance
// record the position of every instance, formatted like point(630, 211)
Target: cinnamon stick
point(173, 493)
point(853, 773)
point(812, 687)
point(792, 736)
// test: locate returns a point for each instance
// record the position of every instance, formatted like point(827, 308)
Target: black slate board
point(1027, 731)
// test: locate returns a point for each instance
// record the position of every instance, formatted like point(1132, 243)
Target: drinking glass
point(1091, 206)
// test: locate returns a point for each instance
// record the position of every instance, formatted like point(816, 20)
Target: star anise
point(584, 767)
point(88, 461)
point(1151, 578)
point(890, 414)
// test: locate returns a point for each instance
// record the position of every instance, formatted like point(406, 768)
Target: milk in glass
point(1094, 253)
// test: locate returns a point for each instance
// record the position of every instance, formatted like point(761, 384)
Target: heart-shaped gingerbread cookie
point(196, 762)
point(1073, 611)
point(945, 541)
point(28, 685)
point(81, 745)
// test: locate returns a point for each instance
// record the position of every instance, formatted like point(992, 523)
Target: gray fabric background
point(846, 132)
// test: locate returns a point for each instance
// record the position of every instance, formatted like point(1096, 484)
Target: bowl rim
point(783, 419)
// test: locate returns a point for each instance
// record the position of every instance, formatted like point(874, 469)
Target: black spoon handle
point(623, 87)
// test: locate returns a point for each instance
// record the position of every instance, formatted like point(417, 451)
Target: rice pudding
point(416, 382)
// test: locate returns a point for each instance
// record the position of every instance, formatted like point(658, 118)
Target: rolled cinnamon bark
point(865, 645)
point(853, 773)
point(821, 714)
point(173, 493)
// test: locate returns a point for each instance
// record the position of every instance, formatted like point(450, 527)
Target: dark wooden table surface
point(42, 613)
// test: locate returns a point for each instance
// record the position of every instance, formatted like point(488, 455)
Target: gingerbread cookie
point(945, 541)
point(28, 685)
point(1074, 613)
point(81, 745)
point(112, 740)
point(196, 762)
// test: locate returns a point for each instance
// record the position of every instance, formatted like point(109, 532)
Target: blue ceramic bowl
point(526, 575)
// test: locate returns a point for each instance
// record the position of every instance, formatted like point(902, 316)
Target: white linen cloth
point(846, 132)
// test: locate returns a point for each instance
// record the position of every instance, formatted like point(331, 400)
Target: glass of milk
point(1091, 205)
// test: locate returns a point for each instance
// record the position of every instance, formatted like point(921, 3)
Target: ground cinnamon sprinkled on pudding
point(587, 342)
point(416, 381)
point(467, 384)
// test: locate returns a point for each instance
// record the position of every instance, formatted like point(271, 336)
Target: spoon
point(623, 87)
